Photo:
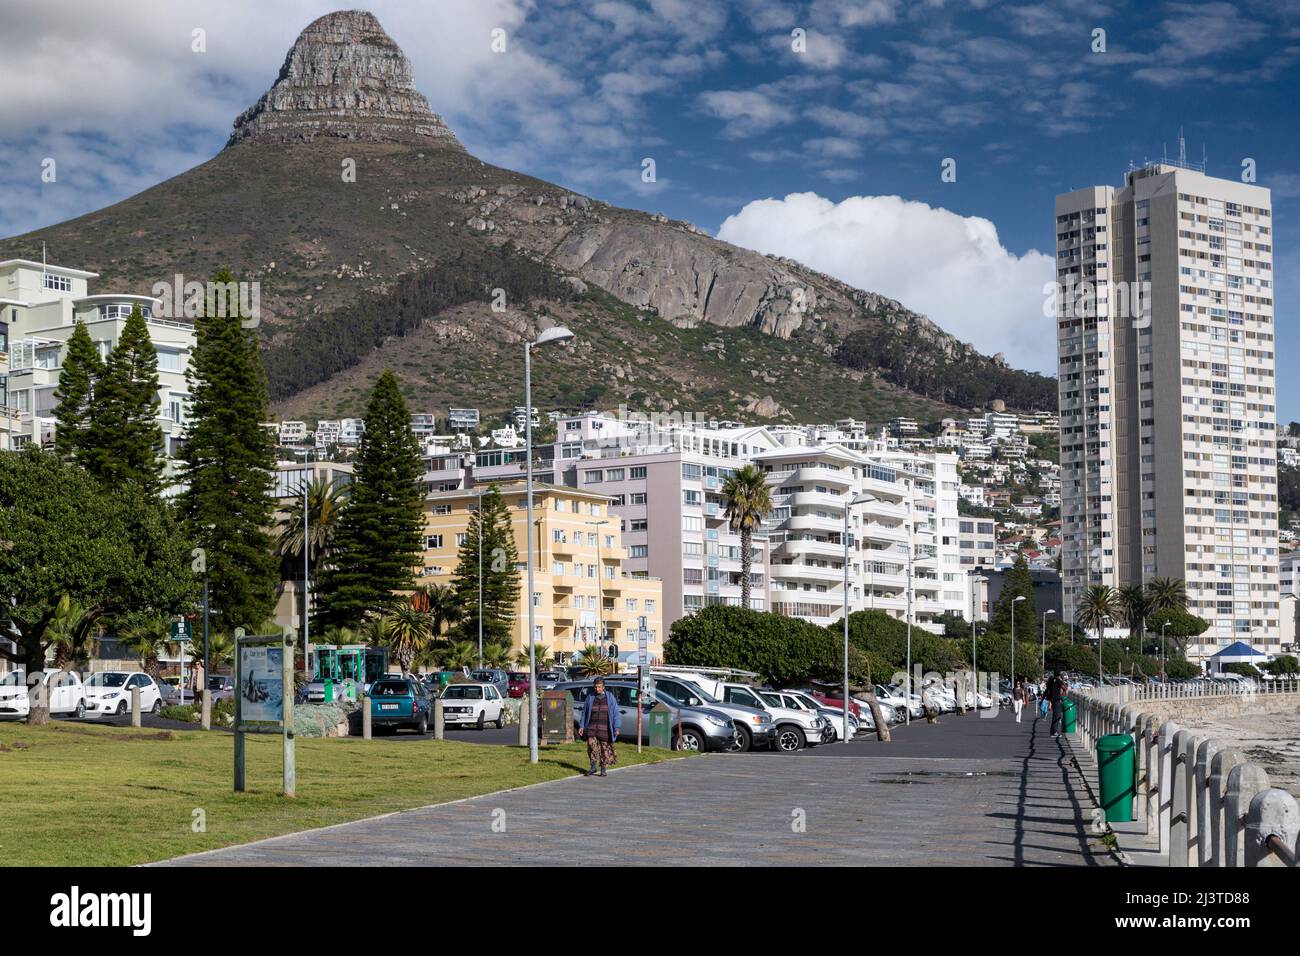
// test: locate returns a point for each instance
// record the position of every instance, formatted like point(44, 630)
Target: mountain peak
point(344, 78)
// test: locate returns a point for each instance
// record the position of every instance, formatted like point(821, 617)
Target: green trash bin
point(1117, 772)
point(1068, 716)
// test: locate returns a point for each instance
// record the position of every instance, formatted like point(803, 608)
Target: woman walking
point(599, 725)
point(1018, 695)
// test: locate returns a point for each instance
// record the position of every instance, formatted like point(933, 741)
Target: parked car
point(109, 693)
point(834, 715)
point(893, 698)
point(517, 685)
point(694, 728)
point(795, 728)
point(173, 694)
point(821, 733)
point(754, 727)
point(221, 687)
point(400, 702)
point(546, 680)
point(62, 688)
point(835, 703)
point(475, 704)
point(495, 676)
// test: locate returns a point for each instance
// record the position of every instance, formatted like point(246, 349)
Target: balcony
point(827, 476)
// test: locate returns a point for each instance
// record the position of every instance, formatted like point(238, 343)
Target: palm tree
point(406, 632)
point(439, 602)
point(68, 629)
point(323, 505)
point(148, 636)
point(749, 501)
point(1166, 592)
point(459, 654)
point(497, 655)
point(541, 653)
point(592, 661)
point(1098, 608)
point(1134, 606)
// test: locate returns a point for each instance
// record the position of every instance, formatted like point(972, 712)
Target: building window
point(593, 476)
point(461, 538)
point(58, 283)
point(637, 472)
point(432, 542)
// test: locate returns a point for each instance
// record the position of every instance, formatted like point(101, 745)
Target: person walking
point(1055, 695)
point(599, 725)
point(1018, 695)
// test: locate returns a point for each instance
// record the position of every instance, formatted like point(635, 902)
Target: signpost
point(183, 631)
point(642, 673)
point(264, 698)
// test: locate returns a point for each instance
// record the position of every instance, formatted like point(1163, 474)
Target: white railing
point(1202, 799)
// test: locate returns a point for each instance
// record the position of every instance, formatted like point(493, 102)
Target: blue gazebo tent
point(1238, 652)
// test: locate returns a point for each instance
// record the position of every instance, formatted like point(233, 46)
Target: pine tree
point(500, 574)
point(82, 368)
point(123, 444)
point(1016, 582)
point(380, 537)
point(227, 468)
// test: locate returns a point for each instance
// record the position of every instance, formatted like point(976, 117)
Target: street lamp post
point(1043, 663)
point(1164, 650)
point(860, 499)
point(478, 520)
point(557, 333)
point(306, 572)
point(600, 588)
point(1013, 640)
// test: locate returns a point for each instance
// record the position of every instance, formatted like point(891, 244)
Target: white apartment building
point(1167, 395)
point(39, 307)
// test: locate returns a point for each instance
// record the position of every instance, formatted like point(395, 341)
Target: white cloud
point(951, 268)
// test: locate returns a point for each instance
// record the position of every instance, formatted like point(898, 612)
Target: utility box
point(662, 720)
point(555, 716)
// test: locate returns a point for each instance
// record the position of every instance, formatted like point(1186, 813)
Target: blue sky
point(734, 118)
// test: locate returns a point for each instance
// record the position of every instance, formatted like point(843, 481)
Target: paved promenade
point(969, 791)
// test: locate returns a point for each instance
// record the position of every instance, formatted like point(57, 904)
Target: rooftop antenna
point(42, 262)
point(1182, 149)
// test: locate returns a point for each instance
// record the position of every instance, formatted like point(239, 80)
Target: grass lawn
point(82, 795)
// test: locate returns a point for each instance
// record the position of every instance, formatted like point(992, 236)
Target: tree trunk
point(746, 538)
point(38, 697)
point(867, 695)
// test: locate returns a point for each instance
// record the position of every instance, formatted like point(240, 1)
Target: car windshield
point(462, 692)
point(550, 675)
point(13, 679)
point(108, 679)
point(390, 688)
point(702, 694)
point(518, 675)
point(218, 683)
point(773, 699)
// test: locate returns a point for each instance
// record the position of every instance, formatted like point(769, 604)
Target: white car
point(62, 688)
point(108, 693)
point(476, 704)
point(893, 697)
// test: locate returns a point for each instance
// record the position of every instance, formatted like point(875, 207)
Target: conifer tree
point(227, 469)
point(123, 444)
point(380, 537)
point(82, 368)
point(1016, 583)
point(500, 574)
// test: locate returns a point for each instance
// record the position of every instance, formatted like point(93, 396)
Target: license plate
point(388, 707)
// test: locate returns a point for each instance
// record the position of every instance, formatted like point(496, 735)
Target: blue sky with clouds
point(831, 154)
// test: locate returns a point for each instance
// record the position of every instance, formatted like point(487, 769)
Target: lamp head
point(1018, 600)
point(556, 333)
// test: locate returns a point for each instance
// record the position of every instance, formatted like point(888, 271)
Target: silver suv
point(754, 727)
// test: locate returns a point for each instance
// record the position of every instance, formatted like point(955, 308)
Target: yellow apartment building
point(580, 589)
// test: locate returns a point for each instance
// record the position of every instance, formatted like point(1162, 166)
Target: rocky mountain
point(379, 241)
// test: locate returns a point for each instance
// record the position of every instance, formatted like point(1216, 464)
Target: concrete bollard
point(1141, 759)
point(439, 721)
point(135, 706)
point(1167, 766)
point(1244, 782)
point(1221, 765)
point(205, 711)
point(1179, 831)
point(1153, 773)
point(367, 718)
point(523, 721)
point(1190, 748)
point(1204, 798)
point(1272, 812)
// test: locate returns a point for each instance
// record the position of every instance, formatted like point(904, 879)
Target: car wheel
point(422, 727)
point(789, 739)
point(482, 717)
point(157, 706)
point(80, 710)
point(742, 742)
point(121, 708)
point(690, 739)
point(501, 718)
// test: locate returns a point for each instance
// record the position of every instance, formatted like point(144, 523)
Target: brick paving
point(968, 791)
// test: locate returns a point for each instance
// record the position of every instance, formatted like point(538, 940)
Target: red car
point(836, 703)
point(517, 684)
